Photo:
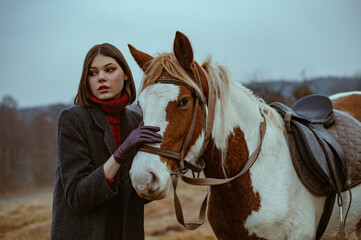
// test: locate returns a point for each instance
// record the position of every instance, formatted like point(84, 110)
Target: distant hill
point(325, 85)
point(291, 91)
point(52, 111)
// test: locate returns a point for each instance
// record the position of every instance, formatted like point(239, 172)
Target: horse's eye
point(184, 102)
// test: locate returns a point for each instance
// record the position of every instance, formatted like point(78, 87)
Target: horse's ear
point(183, 51)
point(140, 57)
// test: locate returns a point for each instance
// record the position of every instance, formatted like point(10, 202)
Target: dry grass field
point(29, 217)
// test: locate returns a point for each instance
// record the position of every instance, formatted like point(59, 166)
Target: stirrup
point(341, 234)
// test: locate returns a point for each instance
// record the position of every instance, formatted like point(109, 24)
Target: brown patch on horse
point(230, 204)
point(179, 120)
point(350, 104)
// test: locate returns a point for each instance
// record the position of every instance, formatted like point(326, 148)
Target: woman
point(97, 140)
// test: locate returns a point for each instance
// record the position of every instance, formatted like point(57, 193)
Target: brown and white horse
point(269, 201)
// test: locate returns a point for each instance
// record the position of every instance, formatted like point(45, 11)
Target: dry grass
point(26, 217)
point(29, 217)
point(161, 223)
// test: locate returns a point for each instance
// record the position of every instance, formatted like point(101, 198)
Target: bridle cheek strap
point(199, 166)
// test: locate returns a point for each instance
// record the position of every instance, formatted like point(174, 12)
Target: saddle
point(306, 121)
point(323, 146)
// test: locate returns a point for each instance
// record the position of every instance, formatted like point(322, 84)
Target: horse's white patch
point(344, 94)
point(195, 149)
point(154, 100)
point(143, 165)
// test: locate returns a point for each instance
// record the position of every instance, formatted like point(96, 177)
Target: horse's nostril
point(151, 190)
point(154, 179)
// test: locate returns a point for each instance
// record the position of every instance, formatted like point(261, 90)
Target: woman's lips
point(103, 89)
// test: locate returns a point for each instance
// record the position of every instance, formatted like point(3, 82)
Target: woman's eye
point(184, 102)
point(91, 73)
point(110, 69)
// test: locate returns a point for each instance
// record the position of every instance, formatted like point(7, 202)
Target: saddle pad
point(347, 132)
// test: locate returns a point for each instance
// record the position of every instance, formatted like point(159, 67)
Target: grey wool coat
point(84, 205)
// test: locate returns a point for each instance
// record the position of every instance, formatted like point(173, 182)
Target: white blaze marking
point(153, 100)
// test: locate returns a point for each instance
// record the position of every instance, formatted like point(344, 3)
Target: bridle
point(199, 165)
point(208, 123)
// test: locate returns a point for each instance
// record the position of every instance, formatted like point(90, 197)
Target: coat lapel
point(100, 119)
point(129, 122)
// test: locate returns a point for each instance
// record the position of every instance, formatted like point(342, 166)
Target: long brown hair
point(106, 49)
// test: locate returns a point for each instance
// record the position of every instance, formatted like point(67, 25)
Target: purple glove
point(142, 134)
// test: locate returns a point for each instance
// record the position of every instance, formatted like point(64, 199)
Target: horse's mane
point(166, 62)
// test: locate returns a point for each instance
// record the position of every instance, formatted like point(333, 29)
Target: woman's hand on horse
point(142, 134)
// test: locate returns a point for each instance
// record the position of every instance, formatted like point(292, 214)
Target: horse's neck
point(236, 122)
point(241, 196)
point(239, 109)
point(239, 123)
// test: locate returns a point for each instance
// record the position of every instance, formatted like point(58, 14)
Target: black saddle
point(307, 121)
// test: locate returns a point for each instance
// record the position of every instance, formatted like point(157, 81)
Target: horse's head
point(167, 98)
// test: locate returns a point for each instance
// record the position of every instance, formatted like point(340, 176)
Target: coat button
point(138, 211)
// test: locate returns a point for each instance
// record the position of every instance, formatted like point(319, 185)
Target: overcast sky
point(43, 43)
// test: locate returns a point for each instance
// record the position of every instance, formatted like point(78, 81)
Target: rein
point(199, 166)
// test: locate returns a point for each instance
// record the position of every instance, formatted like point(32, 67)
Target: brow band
point(179, 82)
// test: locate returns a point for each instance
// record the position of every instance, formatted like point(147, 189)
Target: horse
point(268, 201)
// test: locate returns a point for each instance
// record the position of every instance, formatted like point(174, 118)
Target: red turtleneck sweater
point(112, 108)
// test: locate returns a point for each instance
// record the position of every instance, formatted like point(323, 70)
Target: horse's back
point(349, 102)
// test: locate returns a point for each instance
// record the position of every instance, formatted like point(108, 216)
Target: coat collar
point(129, 122)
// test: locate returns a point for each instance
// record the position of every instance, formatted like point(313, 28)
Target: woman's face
point(105, 77)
